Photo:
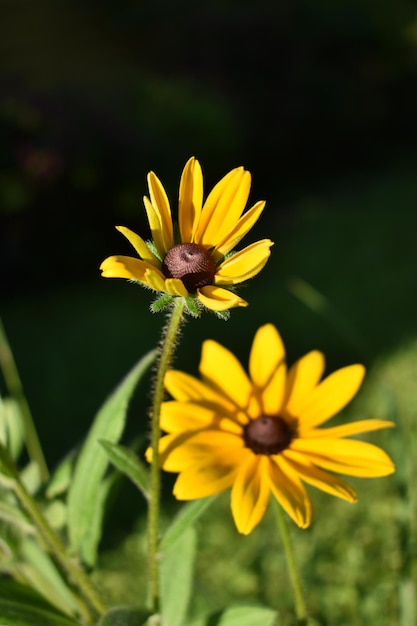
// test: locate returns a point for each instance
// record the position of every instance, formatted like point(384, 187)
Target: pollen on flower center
point(267, 435)
point(190, 262)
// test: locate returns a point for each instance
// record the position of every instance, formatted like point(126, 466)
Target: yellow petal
point(250, 493)
point(200, 481)
point(239, 230)
point(124, 267)
point(274, 392)
point(223, 207)
point(218, 299)
point(344, 430)
point(155, 225)
point(176, 287)
point(190, 199)
point(331, 395)
point(186, 388)
point(303, 376)
point(290, 492)
point(177, 417)
point(222, 371)
point(155, 280)
point(318, 478)
point(160, 203)
point(244, 264)
point(267, 353)
point(139, 245)
point(346, 456)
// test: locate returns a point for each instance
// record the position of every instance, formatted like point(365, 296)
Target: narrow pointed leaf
point(21, 606)
point(176, 573)
point(188, 514)
point(84, 492)
point(127, 462)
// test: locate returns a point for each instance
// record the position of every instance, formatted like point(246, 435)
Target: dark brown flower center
point(267, 435)
point(192, 263)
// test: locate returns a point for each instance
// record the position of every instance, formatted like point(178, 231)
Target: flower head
point(197, 262)
point(261, 434)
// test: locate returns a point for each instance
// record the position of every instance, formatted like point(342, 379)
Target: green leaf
point(12, 432)
point(176, 574)
point(7, 465)
point(238, 616)
point(61, 478)
point(41, 573)
point(21, 606)
point(127, 462)
point(125, 616)
point(84, 493)
point(187, 515)
point(13, 515)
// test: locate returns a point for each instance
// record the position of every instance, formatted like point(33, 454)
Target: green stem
point(15, 388)
point(167, 348)
point(300, 606)
point(54, 545)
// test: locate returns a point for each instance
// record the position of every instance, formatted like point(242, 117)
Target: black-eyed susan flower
point(195, 260)
point(261, 434)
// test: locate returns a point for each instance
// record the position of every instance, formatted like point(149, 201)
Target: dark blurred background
point(317, 99)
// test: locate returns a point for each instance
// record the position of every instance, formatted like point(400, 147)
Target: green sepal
point(161, 303)
point(193, 306)
point(152, 247)
point(223, 315)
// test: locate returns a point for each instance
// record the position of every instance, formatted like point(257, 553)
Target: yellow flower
point(260, 434)
point(196, 262)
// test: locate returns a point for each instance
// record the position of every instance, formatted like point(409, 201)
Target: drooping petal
point(218, 299)
point(203, 446)
point(221, 369)
point(316, 477)
point(185, 388)
point(290, 492)
point(223, 207)
point(302, 377)
point(190, 199)
point(331, 395)
point(250, 493)
point(160, 203)
point(200, 481)
point(179, 417)
point(267, 353)
point(126, 267)
point(344, 430)
point(244, 264)
point(176, 287)
point(139, 245)
point(346, 456)
point(239, 230)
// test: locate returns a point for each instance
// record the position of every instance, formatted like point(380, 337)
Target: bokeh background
point(317, 99)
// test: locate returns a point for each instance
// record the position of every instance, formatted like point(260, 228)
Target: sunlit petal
point(346, 456)
point(184, 387)
point(267, 353)
point(222, 371)
point(345, 430)
point(218, 299)
point(290, 492)
point(244, 264)
point(318, 478)
point(139, 245)
point(302, 378)
point(331, 395)
point(250, 493)
point(190, 199)
point(239, 230)
point(176, 287)
point(125, 267)
point(223, 207)
point(177, 417)
point(160, 202)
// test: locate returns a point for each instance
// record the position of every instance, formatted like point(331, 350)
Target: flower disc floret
point(195, 259)
point(260, 433)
